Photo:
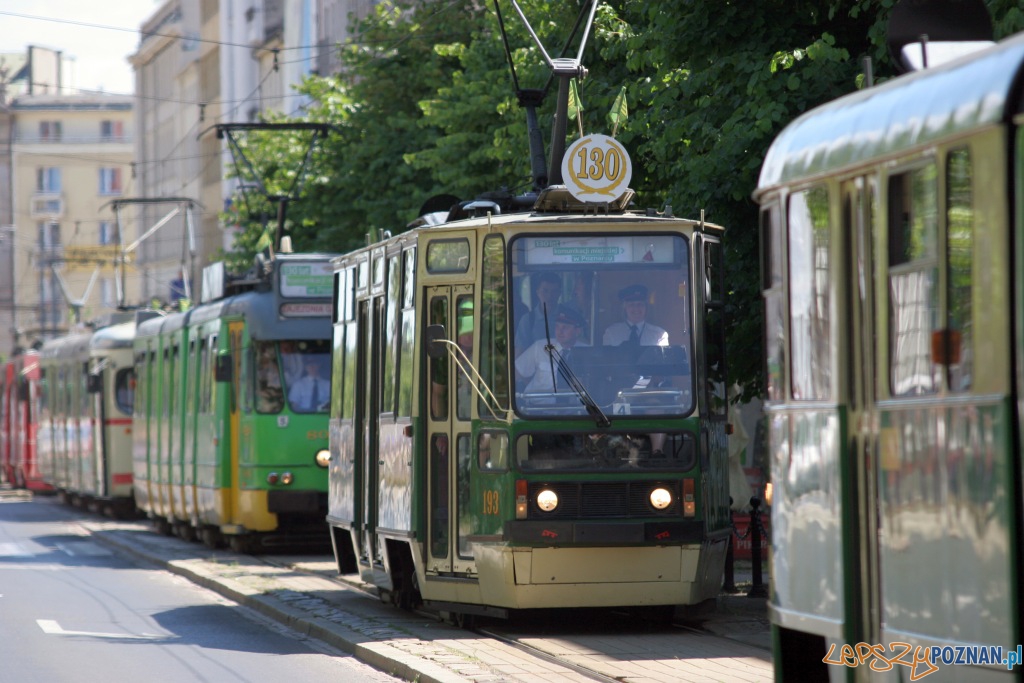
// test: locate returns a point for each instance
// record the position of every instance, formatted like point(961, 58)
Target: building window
point(108, 293)
point(48, 179)
point(49, 235)
point(111, 130)
point(110, 181)
point(49, 131)
point(108, 232)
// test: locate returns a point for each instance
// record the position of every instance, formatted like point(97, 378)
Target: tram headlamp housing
point(323, 457)
point(547, 500)
point(287, 478)
point(272, 478)
point(660, 498)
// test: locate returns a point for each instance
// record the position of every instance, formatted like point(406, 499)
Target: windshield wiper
point(600, 419)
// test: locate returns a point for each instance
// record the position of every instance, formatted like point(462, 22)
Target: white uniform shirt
point(535, 363)
point(303, 397)
point(650, 335)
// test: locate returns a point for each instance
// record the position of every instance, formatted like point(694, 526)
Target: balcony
point(46, 205)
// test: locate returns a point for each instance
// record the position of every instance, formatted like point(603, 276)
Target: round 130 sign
point(596, 168)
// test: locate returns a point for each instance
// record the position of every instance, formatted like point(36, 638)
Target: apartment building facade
point(70, 156)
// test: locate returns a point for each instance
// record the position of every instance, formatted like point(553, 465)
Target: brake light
point(689, 500)
point(521, 493)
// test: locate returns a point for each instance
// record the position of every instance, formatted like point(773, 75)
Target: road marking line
point(51, 627)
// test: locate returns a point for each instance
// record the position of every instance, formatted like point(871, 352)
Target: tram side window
point(809, 301)
point(405, 376)
point(774, 301)
point(467, 517)
point(464, 329)
point(348, 403)
point(913, 281)
point(439, 366)
point(494, 322)
point(714, 328)
point(205, 376)
point(960, 245)
point(124, 390)
point(394, 293)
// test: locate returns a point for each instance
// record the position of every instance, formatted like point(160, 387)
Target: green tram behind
point(593, 473)
point(893, 262)
point(228, 447)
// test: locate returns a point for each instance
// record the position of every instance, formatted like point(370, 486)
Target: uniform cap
point(569, 315)
point(633, 293)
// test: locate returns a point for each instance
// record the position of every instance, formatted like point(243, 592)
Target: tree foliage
point(426, 106)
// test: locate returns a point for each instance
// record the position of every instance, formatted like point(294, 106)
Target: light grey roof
point(899, 115)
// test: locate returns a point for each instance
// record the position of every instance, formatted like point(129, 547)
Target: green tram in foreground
point(893, 260)
point(230, 443)
point(497, 440)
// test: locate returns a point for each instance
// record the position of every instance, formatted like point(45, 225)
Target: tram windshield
point(296, 371)
point(602, 326)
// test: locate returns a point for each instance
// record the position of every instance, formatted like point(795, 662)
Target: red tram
point(19, 408)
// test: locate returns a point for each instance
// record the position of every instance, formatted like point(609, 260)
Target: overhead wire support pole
point(122, 261)
point(238, 154)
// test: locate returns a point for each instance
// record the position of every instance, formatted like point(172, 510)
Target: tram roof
point(538, 218)
point(114, 336)
point(899, 115)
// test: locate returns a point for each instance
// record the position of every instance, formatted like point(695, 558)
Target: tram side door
point(858, 222)
point(368, 390)
point(449, 434)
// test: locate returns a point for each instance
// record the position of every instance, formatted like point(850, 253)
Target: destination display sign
point(306, 280)
point(598, 249)
point(300, 310)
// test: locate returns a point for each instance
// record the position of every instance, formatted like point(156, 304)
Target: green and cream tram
point(892, 233)
point(498, 439)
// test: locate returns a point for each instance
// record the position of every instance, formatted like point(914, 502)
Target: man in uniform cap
point(635, 329)
point(534, 364)
point(547, 289)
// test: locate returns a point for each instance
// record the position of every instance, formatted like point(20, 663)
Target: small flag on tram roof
point(619, 111)
point(575, 103)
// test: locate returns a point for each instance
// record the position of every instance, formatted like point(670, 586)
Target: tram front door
point(449, 434)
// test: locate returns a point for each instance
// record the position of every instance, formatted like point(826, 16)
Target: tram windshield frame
point(605, 320)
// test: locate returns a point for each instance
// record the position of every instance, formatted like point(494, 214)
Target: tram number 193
point(491, 499)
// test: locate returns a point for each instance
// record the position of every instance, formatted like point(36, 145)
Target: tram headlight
point(547, 500)
point(323, 457)
point(287, 478)
point(661, 498)
point(272, 478)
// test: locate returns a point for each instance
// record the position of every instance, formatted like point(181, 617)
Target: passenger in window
point(311, 393)
point(534, 365)
point(547, 289)
point(634, 330)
